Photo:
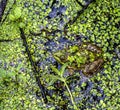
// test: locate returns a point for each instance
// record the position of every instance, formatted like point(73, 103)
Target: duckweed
point(98, 24)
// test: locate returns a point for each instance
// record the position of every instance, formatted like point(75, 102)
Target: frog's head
point(60, 56)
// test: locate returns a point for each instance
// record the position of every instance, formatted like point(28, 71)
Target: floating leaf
point(11, 17)
point(17, 13)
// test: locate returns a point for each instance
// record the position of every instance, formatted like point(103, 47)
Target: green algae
point(100, 22)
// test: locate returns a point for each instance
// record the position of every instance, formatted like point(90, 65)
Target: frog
point(86, 57)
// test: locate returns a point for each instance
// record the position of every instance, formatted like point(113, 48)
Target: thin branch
point(80, 3)
point(36, 72)
point(3, 4)
point(53, 2)
point(8, 12)
point(4, 40)
point(78, 14)
point(9, 40)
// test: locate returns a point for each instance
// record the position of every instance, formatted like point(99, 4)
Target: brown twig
point(70, 22)
point(3, 4)
point(79, 3)
point(36, 72)
point(8, 12)
point(4, 40)
point(9, 40)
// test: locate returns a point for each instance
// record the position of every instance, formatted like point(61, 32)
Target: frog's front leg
point(93, 67)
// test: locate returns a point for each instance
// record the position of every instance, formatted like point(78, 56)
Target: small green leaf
point(51, 76)
point(11, 17)
point(62, 70)
point(17, 12)
point(55, 70)
point(52, 81)
point(2, 73)
point(21, 25)
point(11, 74)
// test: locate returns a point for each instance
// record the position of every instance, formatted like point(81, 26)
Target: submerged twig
point(8, 12)
point(3, 4)
point(36, 72)
point(53, 2)
point(9, 40)
point(78, 14)
point(79, 3)
point(4, 40)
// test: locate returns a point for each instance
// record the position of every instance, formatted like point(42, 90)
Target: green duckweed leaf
point(11, 17)
point(17, 12)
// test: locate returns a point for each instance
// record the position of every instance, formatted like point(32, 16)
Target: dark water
point(85, 96)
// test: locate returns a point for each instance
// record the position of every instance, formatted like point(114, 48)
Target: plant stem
point(72, 100)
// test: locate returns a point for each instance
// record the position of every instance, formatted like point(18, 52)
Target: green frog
point(86, 57)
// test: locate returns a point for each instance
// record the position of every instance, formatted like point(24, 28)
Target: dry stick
point(33, 65)
point(78, 14)
point(3, 4)
point(9, 40)
point(79, 3)
point(53, 2)
point(4, 40)
point(8, 12)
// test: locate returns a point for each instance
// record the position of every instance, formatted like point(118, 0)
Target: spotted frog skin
point(86, 57)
